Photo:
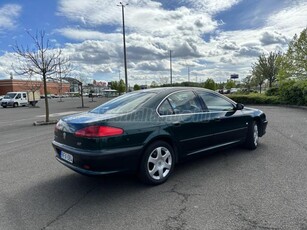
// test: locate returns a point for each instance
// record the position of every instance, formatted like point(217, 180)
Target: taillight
point(98, 131)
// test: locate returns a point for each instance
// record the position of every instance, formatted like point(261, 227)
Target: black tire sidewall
point(250, 142)
point(143, 172)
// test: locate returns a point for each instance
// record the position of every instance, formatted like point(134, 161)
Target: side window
point(165, 108)
point(18, 96)
point(184, 102)
point(24, 95)
point(215, 102)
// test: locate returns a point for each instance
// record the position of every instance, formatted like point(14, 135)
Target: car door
point(24, 99)
point(229, 125)
point(187, 122)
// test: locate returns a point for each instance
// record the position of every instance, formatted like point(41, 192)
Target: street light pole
point(170, 65)
point(124, 41)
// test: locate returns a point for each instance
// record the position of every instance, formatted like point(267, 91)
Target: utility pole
point(122, 5)
point(170, 65)
point(188, 73)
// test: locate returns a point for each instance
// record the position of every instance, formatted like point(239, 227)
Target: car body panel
point(188, 134)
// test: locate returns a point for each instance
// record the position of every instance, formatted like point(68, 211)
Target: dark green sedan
point(149, 131)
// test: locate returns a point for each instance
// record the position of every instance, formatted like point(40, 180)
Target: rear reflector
point(99, 131)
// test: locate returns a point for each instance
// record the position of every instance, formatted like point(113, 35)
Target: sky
point(208, 38)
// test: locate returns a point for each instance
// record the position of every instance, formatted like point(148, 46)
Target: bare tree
point(32, 85)
point(63, 72)
point(41, 60)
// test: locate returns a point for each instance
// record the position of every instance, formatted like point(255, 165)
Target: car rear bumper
point(100, 162)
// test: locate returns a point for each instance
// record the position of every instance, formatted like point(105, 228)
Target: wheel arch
point(166, 138)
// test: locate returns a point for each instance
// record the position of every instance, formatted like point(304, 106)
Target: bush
point(254, 98)
point(294, 92)
point(274, 91)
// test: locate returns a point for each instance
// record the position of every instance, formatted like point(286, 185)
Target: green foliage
point(136, 87)
point(266, 68)
point(114, 85)
point(294, 92)
point(121, 86)
point(274, 91)
point(210, 84)
point(253, 99)
point(230, 84)
point(294, 63)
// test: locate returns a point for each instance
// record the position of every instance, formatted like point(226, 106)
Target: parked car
point(149, 131)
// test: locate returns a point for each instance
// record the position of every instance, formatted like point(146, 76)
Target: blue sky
point(212, 38)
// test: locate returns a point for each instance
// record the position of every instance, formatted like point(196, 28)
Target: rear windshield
point(9, 95)
point(123, 104)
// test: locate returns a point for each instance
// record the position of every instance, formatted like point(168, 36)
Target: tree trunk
point(81, 92)
point(260, 87)
point(46, 97)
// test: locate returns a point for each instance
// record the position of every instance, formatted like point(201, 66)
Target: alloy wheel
point(159, 163)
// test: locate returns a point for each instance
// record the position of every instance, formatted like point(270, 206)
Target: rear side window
point(124, 104)
point(165, 108)
point(24, 95)
point(215, 102)
point(184, 102)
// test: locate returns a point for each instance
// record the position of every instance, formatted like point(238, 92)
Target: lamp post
point(170, 67)
point(122, 5)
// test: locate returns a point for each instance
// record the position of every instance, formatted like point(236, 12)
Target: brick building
point(13, 85)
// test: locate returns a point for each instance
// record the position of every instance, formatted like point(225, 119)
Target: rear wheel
point(157, 163)
point(252, 136)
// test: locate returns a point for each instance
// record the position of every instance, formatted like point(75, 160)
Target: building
point(13, 85)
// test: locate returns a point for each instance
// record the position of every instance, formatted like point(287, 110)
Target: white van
point(16, 99)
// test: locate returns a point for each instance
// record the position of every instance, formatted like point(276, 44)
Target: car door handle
point(217, 119)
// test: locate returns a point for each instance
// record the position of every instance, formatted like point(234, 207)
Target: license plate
point(66, 156)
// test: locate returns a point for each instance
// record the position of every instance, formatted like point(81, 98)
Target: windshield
point(123, 104)
point(9, 95)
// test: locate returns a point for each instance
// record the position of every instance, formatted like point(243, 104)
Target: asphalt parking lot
point(232, 189)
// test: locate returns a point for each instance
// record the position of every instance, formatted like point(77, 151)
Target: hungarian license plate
point(66, 156)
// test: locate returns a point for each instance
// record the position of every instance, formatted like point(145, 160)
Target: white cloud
point(8, 15)
point(290, 20)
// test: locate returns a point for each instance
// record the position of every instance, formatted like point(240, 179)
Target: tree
point(267, 67)
point(230, 84)
point(294, 62)
point(121, 86)
point(32, 85)
point(114, 85)
point(41, 60)
point(247, 82)
point(63, 72)
point(210, 84)
point(258, 78)
point(136, 87)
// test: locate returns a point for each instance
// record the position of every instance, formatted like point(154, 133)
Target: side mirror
point(239, 106)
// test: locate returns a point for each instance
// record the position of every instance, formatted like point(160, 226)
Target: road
point(232, 189)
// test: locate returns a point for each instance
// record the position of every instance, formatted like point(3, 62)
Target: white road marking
point(60, 114)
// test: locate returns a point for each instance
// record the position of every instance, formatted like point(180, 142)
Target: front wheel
point(157, 163)
point(15, 104)
point(252, 136)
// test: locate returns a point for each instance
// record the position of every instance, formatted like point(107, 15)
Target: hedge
point(256, 98)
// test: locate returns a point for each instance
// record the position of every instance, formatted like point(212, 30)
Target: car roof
point(168, 90)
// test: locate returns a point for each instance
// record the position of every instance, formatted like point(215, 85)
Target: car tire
point(157, 163)
point(4, 106)
point(252, 136)
point(15, 104)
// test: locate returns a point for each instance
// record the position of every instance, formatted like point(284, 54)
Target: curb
point(39, 123)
